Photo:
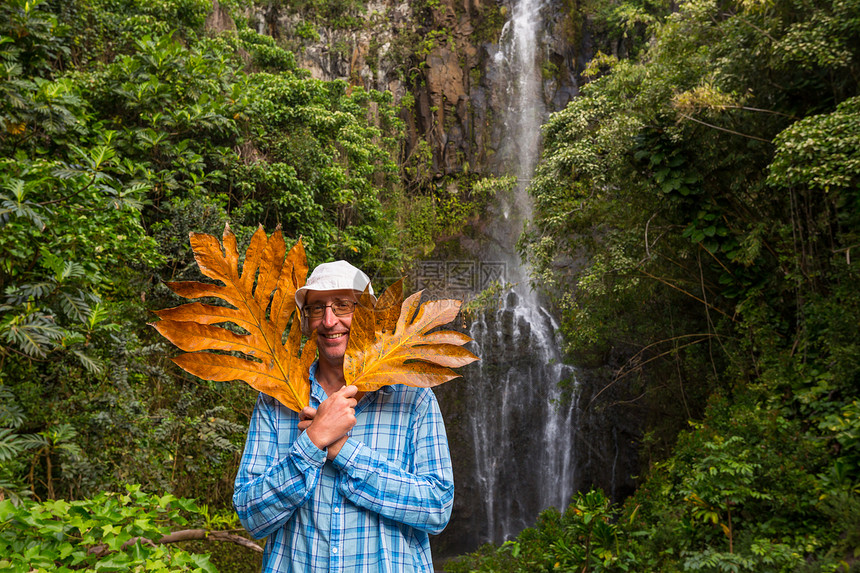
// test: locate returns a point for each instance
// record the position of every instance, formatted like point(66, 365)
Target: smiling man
point(354, 482)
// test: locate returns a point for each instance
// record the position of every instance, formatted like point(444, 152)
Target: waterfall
point(523, 431)
point(510, 428)
point(518, 57)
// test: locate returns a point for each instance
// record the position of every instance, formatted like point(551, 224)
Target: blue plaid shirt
point(371, 508)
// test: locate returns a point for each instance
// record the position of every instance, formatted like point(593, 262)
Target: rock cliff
point(438, 57)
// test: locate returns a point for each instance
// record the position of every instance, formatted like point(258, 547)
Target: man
point(354, 482)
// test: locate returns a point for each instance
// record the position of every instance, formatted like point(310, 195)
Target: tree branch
point(667, 283)
point(102, 550)
point(205, 535)
point(636, 358)
point(684, 115)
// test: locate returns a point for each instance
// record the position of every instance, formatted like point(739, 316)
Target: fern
point(23, 293)
point(33, 334)
point(71, 270)
point(74, 305)
point(11, 414)
point(92, 365)
point(11, 444)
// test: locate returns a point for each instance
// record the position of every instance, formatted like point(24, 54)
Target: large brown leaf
point(279, 370)
point(395, 343)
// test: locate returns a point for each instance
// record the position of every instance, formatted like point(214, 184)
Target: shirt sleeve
point(268, 489)
point(422, 497)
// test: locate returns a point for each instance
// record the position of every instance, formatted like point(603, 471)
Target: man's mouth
point(334, 336)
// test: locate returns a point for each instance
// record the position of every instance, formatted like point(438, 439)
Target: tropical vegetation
point(126, 125)
point(697, 219)
point(697, 223)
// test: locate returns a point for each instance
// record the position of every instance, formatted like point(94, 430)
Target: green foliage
point(663, 177)
point(844, 428)
point(448, 207)
point(337, 14)
point(30, 36)
point(708, 196)
point(622, 27)
point(583, 538)
point(122, 130)
point(266, 54)
point(743, 491)
point(110, 532)
point(490, 299)
point(488, 23)
point(820, 152)
point(307, 31)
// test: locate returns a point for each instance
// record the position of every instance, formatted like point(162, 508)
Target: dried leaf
point(387, 308)
point(383, 351)
point(279, 370)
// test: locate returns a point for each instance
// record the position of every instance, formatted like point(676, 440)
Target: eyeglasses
point(338, 307)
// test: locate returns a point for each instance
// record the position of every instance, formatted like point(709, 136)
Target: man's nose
point(329, 318)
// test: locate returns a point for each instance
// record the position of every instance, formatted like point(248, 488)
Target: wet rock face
point(610, 428)
point(447, 57)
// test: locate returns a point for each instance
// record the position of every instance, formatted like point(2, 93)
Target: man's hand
point(327, 427)
point(306, 416)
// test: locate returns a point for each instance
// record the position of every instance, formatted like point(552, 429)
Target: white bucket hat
point(339, 275)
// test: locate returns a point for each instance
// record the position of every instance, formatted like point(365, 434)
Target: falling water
point(522, 430)
point(525, 114)
point(510, 428)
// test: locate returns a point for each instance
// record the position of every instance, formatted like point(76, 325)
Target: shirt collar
point(317, 392)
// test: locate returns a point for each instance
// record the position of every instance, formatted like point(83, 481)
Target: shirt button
point(337, 510)
point(334, 550)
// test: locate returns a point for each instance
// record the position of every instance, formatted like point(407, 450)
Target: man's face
point(332, 330)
